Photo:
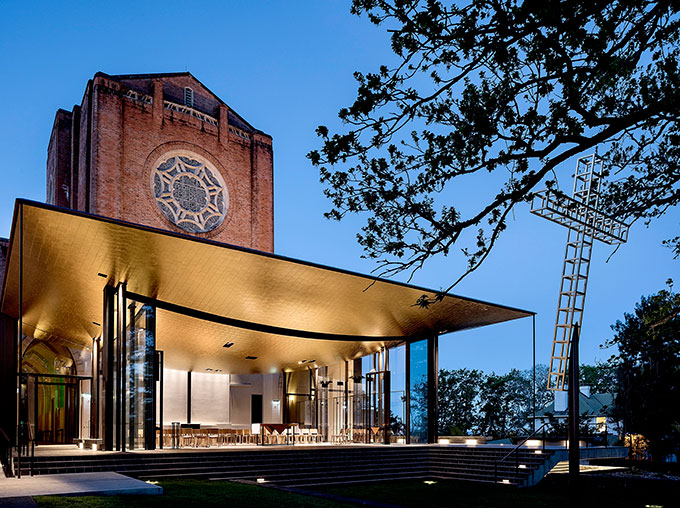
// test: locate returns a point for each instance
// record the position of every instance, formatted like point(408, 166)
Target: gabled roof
point(239, 120)
point(596, 405)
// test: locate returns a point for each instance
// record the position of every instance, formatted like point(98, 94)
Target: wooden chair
point(186, 438)
point(213, 436)
point(201, 438)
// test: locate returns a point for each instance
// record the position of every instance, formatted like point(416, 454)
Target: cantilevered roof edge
point(369, 279)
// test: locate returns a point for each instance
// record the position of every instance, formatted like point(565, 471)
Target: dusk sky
point(286, 67)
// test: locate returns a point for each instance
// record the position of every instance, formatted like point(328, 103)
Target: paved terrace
point(75, 484)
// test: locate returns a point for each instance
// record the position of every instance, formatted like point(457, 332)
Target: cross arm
point(574, 214)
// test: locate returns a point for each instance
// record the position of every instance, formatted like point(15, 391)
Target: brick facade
point(102, 154)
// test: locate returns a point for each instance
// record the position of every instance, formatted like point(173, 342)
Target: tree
point(509, 88)
point(458, 398)
point(601, 377)
point(496, 407)
point(648, 370)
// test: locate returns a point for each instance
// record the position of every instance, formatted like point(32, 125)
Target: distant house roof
point(595, 405)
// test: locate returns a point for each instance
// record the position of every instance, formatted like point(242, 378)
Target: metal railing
point(26, 446)
point(6, 453)
point(516, 449)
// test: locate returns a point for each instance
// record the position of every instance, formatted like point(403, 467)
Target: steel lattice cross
point(585, 224)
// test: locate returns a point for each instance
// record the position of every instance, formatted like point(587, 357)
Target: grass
point(194, 494)
point(548, 494)
point(409, 493)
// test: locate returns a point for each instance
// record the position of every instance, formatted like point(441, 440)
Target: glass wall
point(140, 385)
point(398, 400)
point(419, 395)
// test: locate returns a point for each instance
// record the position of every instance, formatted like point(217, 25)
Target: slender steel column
point(94, 389)
point(346, 396)
point(284, 409)
point(108, 355)
point(189, 397)
point(20, 326)
point(574, 451)
point(432, 388)
point(533, 372)
point(159, 394)
point(387, 387)
point(122, 367)
point(407, 394)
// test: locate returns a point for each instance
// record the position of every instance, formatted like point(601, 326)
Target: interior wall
point(221, 398)
point(174, 396)
point(272, 395)
point(209, 398)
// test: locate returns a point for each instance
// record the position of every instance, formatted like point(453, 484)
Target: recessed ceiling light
point(228, 344)
point(103, 275)
point(95, 323)
point(251, 357)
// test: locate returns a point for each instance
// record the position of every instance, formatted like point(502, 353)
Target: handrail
point(6, 452)
point(515, 450)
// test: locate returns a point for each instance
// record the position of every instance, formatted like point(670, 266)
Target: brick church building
point(105, 155)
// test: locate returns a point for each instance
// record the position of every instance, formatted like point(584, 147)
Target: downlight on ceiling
point(251, 357)
point(228, 344)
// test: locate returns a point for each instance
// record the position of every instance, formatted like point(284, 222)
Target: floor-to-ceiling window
point(419, 393)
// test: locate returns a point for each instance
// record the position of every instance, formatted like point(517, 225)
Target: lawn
point(194, 494)
point(551, 493)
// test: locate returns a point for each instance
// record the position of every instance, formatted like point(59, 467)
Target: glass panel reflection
point(418, 385)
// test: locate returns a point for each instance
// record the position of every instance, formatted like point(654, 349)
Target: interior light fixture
point(251, 357)
point(95, 323)
point(103, 275)
point(228, 344)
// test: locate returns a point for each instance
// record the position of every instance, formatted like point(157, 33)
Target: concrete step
point(310, 466)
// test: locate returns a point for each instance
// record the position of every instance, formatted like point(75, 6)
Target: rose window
point(189, 193)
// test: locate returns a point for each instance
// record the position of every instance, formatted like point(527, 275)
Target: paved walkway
point(73, 484)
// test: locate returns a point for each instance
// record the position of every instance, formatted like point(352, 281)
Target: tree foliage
point(473, 402)
point(458, 398)
point(509, 88)
point(601, 377)
point(648, 370)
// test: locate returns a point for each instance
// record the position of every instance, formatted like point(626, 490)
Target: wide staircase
point(310, 466)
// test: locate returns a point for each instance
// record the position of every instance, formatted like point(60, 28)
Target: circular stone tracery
point(189, 193)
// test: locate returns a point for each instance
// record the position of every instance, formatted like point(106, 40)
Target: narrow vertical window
point(188, 97)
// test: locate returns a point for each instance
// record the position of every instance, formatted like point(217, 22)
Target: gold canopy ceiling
point(65, 254)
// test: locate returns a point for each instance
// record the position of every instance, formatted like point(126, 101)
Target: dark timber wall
point(8, 380)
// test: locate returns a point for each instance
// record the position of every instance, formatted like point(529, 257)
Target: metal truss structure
point(585, 224)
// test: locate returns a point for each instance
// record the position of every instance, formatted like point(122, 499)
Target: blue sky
point(287, 67)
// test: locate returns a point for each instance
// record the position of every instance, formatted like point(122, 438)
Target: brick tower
point(164, 151)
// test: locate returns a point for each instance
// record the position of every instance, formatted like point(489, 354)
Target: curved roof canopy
point(280, 310)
